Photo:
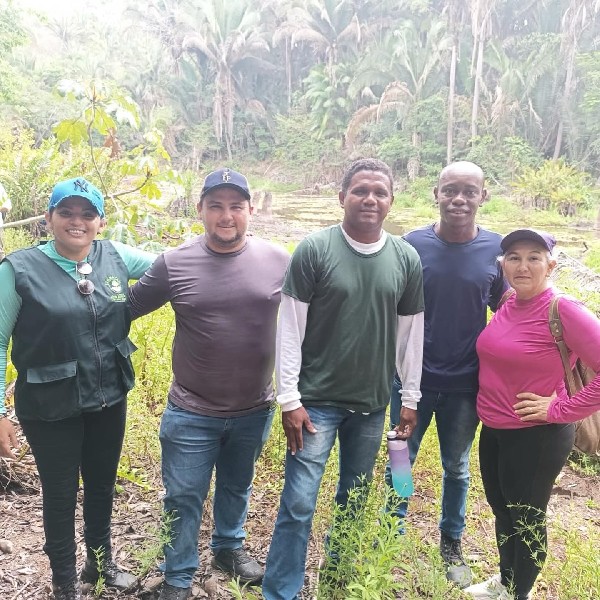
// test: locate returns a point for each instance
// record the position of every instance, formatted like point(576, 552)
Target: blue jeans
point(360, 438)
point(456, 420)
point(192, 445)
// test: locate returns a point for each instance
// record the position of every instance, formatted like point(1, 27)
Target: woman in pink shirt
point(520, 362)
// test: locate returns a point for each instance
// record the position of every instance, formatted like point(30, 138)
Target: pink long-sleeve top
point(517, 353)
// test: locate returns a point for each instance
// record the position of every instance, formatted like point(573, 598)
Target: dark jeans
point(91, 443)
point(518, 469)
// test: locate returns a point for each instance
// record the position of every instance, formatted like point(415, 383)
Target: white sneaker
point(506, 595)
point(492, 588)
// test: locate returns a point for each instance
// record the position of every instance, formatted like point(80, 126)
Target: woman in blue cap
point(64, 306)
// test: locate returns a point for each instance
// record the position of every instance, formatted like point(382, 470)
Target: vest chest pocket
point(125, 349)
point(51, 392)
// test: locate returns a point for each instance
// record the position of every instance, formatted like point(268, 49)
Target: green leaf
point(151, 190)
point(101, 121)
point(73, 131)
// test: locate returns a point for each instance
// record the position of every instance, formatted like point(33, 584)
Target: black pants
point(91, 443)
point(518, 469)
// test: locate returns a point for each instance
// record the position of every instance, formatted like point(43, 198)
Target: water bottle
point(400, 465)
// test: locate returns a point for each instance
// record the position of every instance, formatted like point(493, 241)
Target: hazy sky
point(49, 6)
point(62, 7)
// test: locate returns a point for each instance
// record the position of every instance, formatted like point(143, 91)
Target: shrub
point(555, 185)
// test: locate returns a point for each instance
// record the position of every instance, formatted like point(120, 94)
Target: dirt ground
point(25, 573)
point(24, 569)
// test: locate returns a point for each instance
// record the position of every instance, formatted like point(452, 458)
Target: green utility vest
point(71, 351)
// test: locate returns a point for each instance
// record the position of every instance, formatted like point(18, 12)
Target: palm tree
point(481, 27)
point(414, 52)
point(578, 17)
point(331, 27)
point(516, 74)
point(456, 13)
point(230, 44)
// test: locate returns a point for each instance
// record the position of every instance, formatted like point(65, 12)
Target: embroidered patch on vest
point(114, 285)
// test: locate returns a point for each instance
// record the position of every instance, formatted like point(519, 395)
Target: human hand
point(533, 407)
point(8, 438)
point(408, 422)
point(293, 421)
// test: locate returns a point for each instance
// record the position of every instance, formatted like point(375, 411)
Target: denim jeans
point(456, 420)
point(91, 444)
point(360, 439)
point(192, 446)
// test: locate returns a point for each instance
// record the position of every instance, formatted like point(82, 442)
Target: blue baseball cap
point(547, 240)
point(225, 178)
point(77, 187)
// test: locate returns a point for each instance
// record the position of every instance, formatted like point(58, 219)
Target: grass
point(575, 573)
point(15, 238)
point(414, 559)
point(151, 549)
point(584, 464)
point(98, 587)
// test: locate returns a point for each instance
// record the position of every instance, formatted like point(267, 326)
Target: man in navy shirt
point(461, 278)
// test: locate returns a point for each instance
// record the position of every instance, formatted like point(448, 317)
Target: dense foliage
point(417, 82)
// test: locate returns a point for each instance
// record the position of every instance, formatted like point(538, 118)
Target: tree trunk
point(267, 205)
point(414, 162)
point(288, 68)
point(477, 87)
point(228, 111)
point(565, 100)
point(451, 93)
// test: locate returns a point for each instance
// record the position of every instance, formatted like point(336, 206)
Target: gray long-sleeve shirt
point(226, 313)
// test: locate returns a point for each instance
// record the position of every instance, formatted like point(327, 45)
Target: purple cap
point(541, 237)
point(225, 178)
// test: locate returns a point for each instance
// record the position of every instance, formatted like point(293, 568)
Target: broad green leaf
point(73, 131)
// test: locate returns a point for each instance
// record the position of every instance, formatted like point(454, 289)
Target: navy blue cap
point(77, 187)
point(541, 237)
point(225, 178)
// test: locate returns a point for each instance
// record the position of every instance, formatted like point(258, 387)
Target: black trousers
point(518, 469)
point(90, 443)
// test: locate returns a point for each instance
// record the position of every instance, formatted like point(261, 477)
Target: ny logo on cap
point(81, 186)
point(226, 176)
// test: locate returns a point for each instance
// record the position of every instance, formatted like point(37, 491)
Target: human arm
point(498, 288)
point(10, 305)
point(409, 364)
point(291, 328)
point(137, 261)
point(581, 332)
point(533, 407)
point(151, 291)
point(409, 343)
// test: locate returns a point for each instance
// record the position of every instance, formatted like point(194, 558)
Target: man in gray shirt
point(225, 290)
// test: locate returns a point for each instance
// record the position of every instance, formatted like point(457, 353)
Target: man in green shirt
point(351, 311)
